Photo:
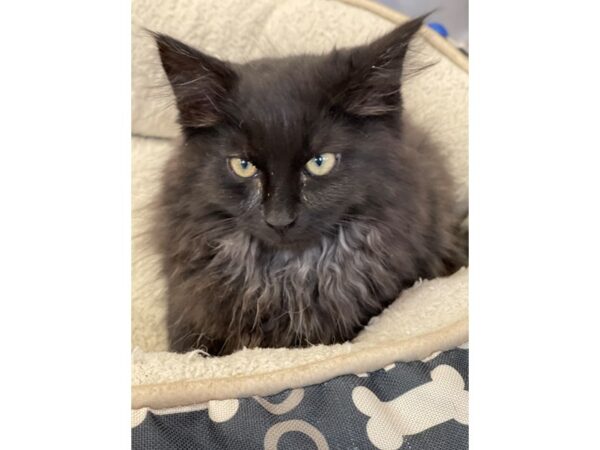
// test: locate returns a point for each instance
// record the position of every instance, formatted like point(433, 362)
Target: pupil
point(244, 164)
point(319, 160)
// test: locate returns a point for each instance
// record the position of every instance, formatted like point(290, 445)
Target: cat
point(293, 211)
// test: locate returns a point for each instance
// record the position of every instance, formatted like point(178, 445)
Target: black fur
point(383, 218)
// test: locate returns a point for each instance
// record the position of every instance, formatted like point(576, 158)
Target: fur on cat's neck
point(343, 276)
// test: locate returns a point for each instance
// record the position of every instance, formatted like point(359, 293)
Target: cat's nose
point(280, 222)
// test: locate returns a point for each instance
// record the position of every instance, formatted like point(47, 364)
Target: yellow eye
point(242, 167)
point(321, 164)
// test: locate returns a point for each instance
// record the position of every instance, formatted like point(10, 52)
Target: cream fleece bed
point(429, 318)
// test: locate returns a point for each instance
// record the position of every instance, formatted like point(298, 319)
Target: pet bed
point(403, 382)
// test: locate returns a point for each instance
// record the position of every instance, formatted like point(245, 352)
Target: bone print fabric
point(417, 405)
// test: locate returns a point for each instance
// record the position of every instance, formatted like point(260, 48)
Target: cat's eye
point(321, 164)
point(242, 167)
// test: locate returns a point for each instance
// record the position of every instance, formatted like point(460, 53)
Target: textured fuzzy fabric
point(431, 316)
point(148, 288)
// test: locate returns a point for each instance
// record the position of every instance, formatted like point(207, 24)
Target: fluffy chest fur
point(266, 297)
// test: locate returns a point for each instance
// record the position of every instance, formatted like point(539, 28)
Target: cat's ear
point(372, 86)
point(201, 83)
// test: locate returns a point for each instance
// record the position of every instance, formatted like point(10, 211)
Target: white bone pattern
point(428, 405)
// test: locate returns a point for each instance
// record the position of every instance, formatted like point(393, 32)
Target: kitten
point(293, 211)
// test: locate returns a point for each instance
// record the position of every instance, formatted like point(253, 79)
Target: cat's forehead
point(279, 101)
point(282, 87)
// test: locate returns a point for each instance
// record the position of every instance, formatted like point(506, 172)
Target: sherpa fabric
point(430, 317)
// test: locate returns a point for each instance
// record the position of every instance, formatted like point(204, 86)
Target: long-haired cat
point(293, 211)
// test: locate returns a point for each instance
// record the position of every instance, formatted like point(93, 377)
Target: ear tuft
point(372, 87)
point(201, 83)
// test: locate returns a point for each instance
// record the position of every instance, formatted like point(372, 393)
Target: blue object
point(439, 28)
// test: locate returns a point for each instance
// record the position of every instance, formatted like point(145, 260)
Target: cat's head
point(287, 149)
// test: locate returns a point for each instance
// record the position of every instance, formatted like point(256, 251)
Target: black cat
point(294, 211)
